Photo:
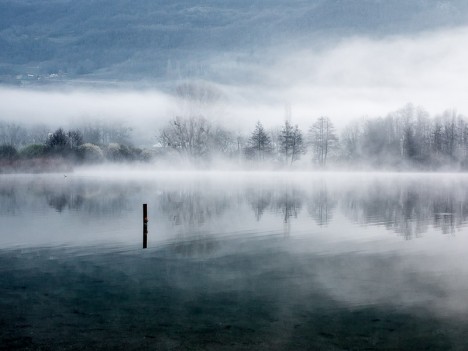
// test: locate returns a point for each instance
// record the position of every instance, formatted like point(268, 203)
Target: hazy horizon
point(337, 59)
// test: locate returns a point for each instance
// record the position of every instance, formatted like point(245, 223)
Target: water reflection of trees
point(321, 204)
point(94, 199)
point(193, 207)
point(288, 201)
point(408, 208)
point(259, 200)
point(60, 201)
point(450, 210)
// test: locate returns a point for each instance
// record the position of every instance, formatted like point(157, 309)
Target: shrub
point(113, 152)
point(33, 151)
point(146, 155)
point(90, 153)
point(118, 152)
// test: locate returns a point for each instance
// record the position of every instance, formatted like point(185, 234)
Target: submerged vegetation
point(408, 138)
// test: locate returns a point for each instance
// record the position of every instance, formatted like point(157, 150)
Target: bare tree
point(38, 134)
point(322, 138)
point(75, 138)
point(188, 136)
point(350, 141)
point(223, 142)
point(12, 134)
point(191, 133)
point(102, 133)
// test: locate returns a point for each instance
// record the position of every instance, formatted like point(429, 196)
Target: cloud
point(344, 80)
point(54, 106)
point(359, 76)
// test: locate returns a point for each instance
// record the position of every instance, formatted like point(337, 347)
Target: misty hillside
point(149, 40)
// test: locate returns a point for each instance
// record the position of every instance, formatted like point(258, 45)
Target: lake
point(234, 260)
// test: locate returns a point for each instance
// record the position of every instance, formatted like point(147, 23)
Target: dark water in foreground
point(243, 261)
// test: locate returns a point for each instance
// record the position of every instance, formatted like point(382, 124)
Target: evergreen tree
point(58, 141)
point(291, 142)
point(259, 144)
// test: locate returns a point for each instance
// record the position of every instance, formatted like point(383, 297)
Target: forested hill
point(127, 40)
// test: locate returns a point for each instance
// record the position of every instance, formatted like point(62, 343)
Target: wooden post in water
point(145, 226)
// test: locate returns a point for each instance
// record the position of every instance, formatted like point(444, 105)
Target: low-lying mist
point(407, 139)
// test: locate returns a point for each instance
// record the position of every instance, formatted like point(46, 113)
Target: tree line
point(32, 147)
point(406, 138)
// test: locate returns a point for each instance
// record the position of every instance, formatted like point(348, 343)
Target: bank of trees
point(408, 138)
point(37, 145)
point(196, 138)
point(98, 132)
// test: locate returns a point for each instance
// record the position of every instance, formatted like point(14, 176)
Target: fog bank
point(344, 80)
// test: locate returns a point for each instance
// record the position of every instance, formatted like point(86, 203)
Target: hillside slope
point(152, 40)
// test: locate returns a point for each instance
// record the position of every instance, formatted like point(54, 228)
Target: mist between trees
point(406, 139)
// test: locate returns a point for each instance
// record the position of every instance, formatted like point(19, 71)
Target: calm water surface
point(244, 261)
